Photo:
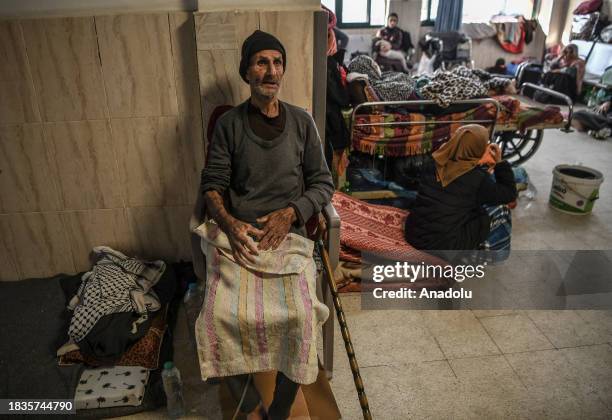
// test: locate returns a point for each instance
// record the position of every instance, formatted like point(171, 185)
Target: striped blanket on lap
point(262, 318)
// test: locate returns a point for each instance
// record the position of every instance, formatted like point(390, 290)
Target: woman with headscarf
point(453, 208)
point(565, 76)
point(570, 62)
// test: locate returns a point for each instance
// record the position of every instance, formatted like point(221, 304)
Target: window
point(359, 13)
point(481, 11)
point(429, 10)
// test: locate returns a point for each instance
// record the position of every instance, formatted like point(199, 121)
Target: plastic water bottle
point(193, 304)
point(173, 387)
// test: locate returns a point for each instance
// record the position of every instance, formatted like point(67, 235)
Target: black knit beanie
point(258, 41)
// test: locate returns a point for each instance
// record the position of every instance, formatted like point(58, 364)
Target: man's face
point(265, 73)
point(392, 22)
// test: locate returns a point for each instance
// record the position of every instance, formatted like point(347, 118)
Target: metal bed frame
point(517, 146)
point(415, 103)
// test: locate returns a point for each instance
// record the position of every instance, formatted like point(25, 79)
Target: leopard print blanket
point(388, 86)
point(444, 87)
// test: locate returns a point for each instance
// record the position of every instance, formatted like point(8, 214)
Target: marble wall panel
point(39, 244)
point(18, 100)
point(118, 157)
point(161, 232)
point(66, 68)
point(224, 30)
point(137, 65)
point(182, 33)
point(8, 267)
point(86, 165)
point(295, 31)
point(27, 173)
point(90, 228)
point(220, 83)
point(194, 154)
point(151, 159)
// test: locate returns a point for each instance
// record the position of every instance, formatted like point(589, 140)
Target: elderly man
point(266, 176)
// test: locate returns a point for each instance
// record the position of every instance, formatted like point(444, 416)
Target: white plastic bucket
point(575, 189)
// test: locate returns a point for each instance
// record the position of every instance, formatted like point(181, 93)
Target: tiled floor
point(481, 364)
point(485, 364)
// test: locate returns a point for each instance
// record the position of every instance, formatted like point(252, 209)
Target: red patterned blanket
point(376, 229)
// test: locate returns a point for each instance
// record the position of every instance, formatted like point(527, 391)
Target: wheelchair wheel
point(518, 147)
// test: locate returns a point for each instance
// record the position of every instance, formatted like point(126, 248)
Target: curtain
point(448, 18)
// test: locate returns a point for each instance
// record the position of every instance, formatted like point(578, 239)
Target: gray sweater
point(259, 176)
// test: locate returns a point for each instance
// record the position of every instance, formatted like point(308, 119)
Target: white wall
point(409, 13)
point(359, 40)
point(486, 51)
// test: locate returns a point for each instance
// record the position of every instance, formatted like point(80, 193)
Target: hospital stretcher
point(417, 127)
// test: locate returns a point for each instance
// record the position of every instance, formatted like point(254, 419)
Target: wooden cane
point(363, 399)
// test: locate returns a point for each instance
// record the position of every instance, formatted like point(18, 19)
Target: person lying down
point(461, 203)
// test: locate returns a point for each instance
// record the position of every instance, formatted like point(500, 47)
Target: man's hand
point(322, 228)
point(276, 226)
point(603, 108)
point(243, 246)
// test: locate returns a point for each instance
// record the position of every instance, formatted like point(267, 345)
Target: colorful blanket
point(417, 139)
point(413, 139)
point(375, 229)
point(261, 318)
point(529, 116)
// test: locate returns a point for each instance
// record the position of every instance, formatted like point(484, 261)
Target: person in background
point(460, 205)
point(569, 62)
point(391, 46)
point(499, 67)
point(337, 41)
point(392, 33)
point(342, 40)
point(597, 120)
